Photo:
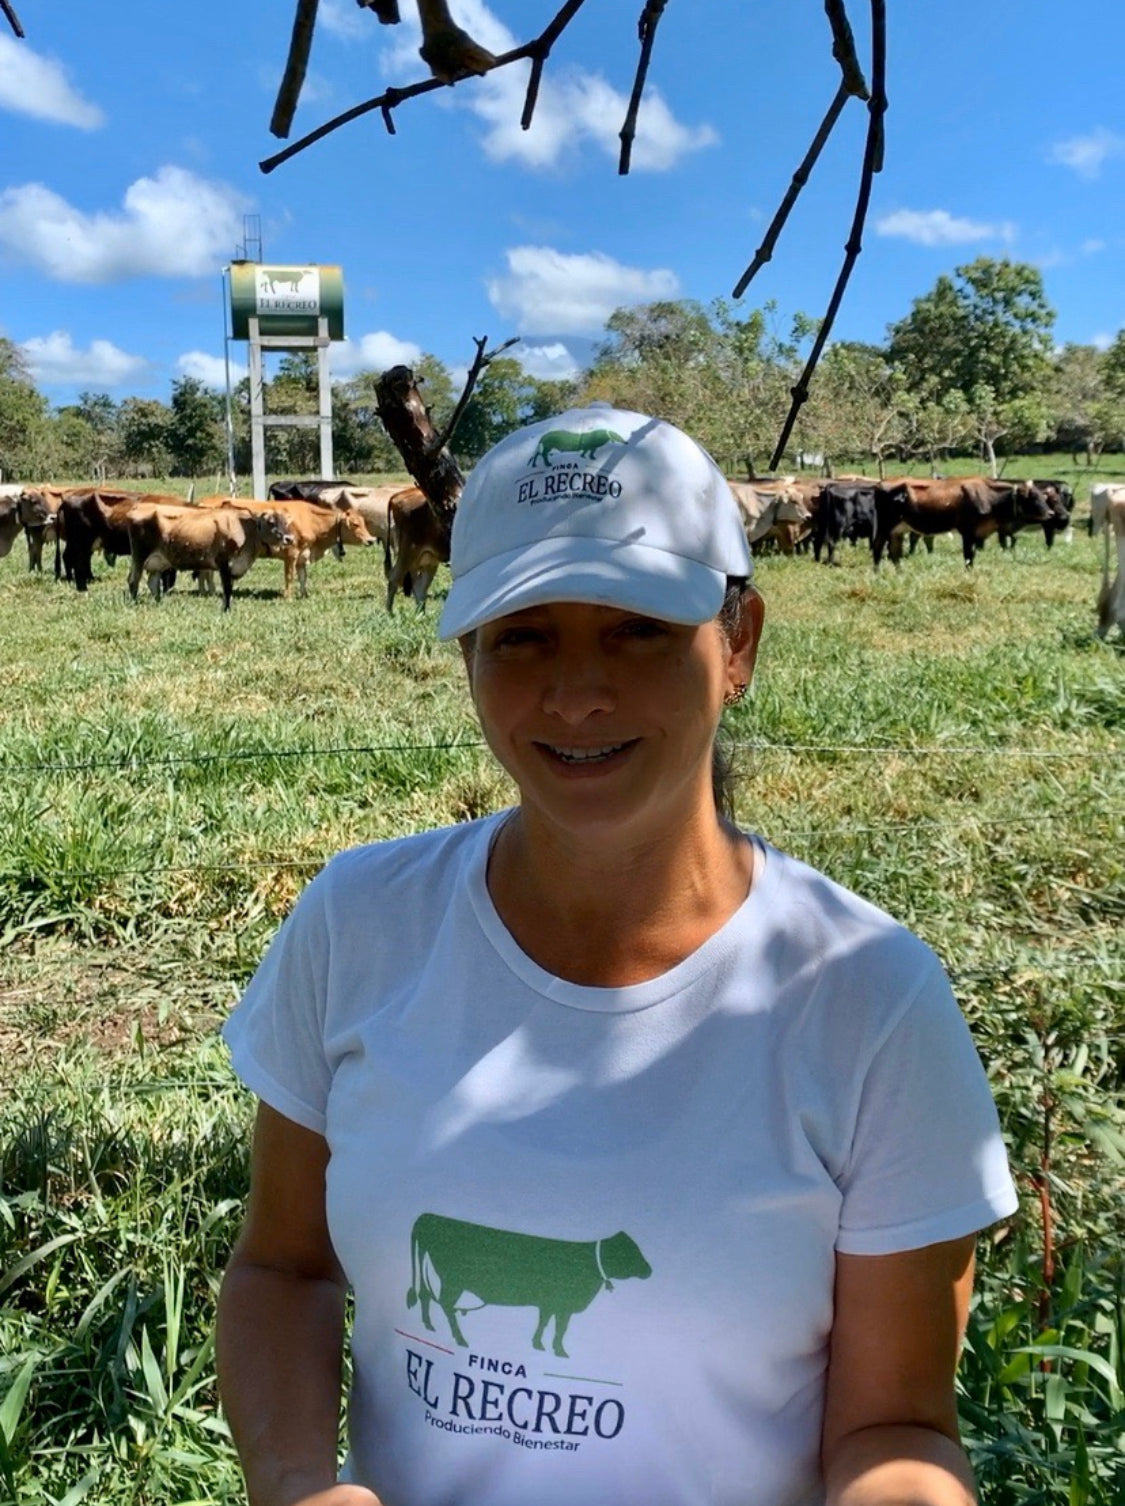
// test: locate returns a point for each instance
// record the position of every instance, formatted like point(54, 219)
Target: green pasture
point(947, 743)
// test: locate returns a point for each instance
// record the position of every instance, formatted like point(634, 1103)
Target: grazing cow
point(762, 510)
point(1061, 497)
point(1111, 597)
point(846, 510)
point(417, 543)
point(315, 528)
point(1060, 502)
point(225, 539)
point(501, 1268)
point(973, 506)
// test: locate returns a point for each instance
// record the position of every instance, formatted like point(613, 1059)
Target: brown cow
point(973, 506)
point(370, 501)
point(417, 543)
point(38, 507)
point(316, 527)
point(225, 539)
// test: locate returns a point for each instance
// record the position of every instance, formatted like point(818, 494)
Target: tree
point(1087, 409)
point(1115, 365)
point(98, 410)
point(721, 375)
point(195, 429)
point(504, 399)
point(79, 449)
point(23, 417)
point(856, 406)
point(986, 330)
point(143, 432)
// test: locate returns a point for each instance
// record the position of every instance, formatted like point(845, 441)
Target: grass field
point(948, 744)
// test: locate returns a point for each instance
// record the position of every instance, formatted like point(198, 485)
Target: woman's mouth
point(576, 757)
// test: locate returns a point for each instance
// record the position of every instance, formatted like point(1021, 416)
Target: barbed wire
point(457, 744)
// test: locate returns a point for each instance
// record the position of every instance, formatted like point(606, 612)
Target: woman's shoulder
point(433, 859)
point(832, 923)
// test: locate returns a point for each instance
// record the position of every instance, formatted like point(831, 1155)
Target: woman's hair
point(722, 766)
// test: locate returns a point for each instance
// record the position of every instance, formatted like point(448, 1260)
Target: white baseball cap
point(595, 505)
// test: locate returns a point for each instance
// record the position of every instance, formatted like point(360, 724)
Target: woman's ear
point(745, 637)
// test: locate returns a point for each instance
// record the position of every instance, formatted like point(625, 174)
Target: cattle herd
point(162, 535)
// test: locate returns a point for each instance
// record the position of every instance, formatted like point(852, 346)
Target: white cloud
point(550, 363)
point(575, 108)
point(31, 84)
point(1102, 341)
point(174, 224)
point(344, 20)
point(55, 358)
point(937, 227)
point(1086, 155)
point(1092, 246)
point(547, 291)
point(208, 369)
point(377, 351)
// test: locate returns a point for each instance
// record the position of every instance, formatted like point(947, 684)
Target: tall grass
point(949, 745)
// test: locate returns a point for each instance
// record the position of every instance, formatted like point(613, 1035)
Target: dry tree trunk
point(404, 416)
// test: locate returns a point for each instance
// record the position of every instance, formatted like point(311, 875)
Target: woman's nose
point(577, 687)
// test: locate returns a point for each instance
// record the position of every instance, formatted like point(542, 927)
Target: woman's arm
point(281, 1326)
point(890, 1427)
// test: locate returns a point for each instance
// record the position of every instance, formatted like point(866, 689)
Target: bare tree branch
point(292, 80)
point(800, 178)
point(646, 30)
point(872, 163)
point(480, 361)
point(843, 49)
point(538, 49)
point(12, 19)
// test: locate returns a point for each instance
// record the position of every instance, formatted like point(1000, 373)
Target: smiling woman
point(602, 1081)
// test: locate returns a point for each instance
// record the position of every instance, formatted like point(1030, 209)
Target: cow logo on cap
point(566, 440)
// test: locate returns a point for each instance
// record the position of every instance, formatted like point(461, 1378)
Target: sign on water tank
point(287, 290)
point(286, 299)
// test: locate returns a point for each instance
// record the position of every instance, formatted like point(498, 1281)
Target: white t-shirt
point(628, 1200)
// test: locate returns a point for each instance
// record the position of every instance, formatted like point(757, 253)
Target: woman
point(652, 1157)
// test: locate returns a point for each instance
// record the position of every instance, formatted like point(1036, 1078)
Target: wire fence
point(457, 744)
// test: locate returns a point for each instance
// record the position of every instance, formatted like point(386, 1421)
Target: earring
point(736, 694)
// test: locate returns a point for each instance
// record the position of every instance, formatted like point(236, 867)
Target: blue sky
point(131, 137)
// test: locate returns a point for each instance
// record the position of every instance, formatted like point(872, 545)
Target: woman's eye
point(643, 627)
point(517, 637)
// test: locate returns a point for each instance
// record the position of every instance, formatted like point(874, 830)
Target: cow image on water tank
point(503, 1268)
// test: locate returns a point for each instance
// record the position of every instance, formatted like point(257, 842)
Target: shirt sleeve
point(927, 1161)
point(275, 1033)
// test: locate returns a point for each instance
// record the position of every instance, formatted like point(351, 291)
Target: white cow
point(1100, 498)
point(371, 501)
point(1111, 597)
point(763, 509)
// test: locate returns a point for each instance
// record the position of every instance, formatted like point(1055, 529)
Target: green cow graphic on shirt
point(587, 445)
point(503, 1268)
